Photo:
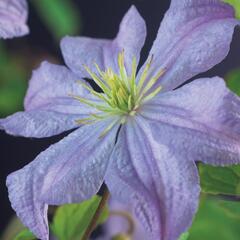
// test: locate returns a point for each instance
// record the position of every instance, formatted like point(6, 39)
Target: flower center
point(123, 93)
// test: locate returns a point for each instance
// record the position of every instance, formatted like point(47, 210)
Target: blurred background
point(49, 21)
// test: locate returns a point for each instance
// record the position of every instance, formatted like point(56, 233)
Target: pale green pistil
point(122, 94)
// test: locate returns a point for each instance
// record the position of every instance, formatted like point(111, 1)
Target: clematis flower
point(13, 17)
point(122, 224)
point(139, 136)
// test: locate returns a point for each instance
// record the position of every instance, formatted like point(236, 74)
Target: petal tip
point(133, 8)
point(133, 12)
point(19, 202)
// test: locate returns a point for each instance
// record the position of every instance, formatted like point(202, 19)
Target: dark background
point(100, 19)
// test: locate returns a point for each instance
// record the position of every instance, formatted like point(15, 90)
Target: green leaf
point(220, 180)
point(61, 16)
point(71, 220)
point(231, 209)
point(212, 222)
point(184, 236)
point(13, 82)
point(25, 235)
point(233, 81)
point(236, 5)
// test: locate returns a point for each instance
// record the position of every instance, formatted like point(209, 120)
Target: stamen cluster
point(123, 93)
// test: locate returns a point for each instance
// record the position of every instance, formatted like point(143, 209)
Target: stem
point(227, 197)
point(92, 225)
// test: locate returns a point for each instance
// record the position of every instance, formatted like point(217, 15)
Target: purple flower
point(162, 131)
point(13, 17)
point(123, 223)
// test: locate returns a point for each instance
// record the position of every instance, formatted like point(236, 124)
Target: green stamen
point(122, 93)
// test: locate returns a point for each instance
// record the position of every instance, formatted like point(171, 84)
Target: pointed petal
point(13, 18)
point(50, 109)
point(193, 37)
point(162, 188)
point(200, 120)
point(69, 171)
point(49, 83)
point(79, 51)
point(38, 124)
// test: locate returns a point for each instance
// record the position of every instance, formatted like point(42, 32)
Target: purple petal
point(50, 109)
point(50, 82)
point(69, 171)
point(13, 18)
point(38, 123)
point(162, 189)
point(78, 51)
point(200, 120)
point(194, 36)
